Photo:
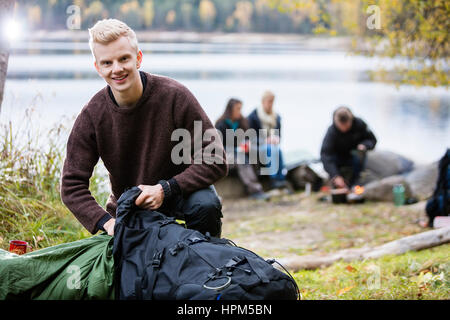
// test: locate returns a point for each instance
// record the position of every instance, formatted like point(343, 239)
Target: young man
point(344, 145)
point(129, 125)
point(264, 117)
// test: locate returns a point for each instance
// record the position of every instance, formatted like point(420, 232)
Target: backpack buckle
point(156, 262)
point(194, 240)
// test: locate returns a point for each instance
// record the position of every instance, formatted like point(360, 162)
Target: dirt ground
point(296, 224)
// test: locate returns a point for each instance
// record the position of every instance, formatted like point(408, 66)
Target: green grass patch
point(30, 173)
point(414, 275)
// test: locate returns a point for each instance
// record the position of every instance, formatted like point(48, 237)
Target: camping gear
point(156, 258)
point(357, 195)
point(399, 194)
point(18, 246)
point(82, 269)
point(344, 195)
point(339, 195)
point(439, 203)
point(441, 222)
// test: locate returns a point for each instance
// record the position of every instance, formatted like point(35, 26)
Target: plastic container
point(399, 194)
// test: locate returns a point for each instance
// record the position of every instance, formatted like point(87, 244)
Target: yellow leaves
point(243, 13)
point(427, 279)
point(206, 11)
point(148, 12)
point(349, 268)
point(344, 290)
point(95, 8)
point(170, 17)
point(129, 6)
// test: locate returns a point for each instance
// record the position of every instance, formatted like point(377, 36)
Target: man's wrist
point(174, 187)
point(102, 221)
point(167, 190)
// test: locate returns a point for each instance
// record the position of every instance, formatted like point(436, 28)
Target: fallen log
point(415, 242)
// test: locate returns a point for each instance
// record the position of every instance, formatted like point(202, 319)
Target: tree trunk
point(6, 10)
point(415, 242)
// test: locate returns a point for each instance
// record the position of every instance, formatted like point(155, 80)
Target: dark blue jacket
point(337, 144)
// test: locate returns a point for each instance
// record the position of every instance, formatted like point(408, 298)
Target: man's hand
point(109, 226)
point(339, 182)
point(361, 147)
point(151, 197)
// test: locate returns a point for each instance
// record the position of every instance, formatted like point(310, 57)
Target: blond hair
point(109, 30)
point(267, 94)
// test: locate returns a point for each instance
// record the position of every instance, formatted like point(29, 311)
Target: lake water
point(58, 79)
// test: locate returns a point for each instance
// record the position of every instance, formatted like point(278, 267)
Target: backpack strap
point(138, 288)
point(258, 270)
point(156, 264)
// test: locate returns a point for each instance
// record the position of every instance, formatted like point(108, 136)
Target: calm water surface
point(57, 81)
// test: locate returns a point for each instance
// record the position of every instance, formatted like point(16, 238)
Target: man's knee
point(203, 212)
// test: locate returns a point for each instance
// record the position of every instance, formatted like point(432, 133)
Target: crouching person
point(129, 125)
point(344, 147)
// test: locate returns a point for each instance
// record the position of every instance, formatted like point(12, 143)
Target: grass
point(298, 225)
point(30, 203)
point(31, 210)
point(414, 275)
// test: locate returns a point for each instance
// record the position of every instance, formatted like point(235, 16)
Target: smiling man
point(129, 124)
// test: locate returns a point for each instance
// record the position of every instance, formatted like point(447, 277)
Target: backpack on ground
point(157, 258)
point(439, 203)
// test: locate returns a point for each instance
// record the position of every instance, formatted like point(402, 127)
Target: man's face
point(118, 63)
point(267, 104)
point(343, 127)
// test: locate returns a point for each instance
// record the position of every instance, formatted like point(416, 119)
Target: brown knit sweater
point(135, 146)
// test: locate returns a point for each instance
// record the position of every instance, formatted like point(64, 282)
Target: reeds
point(30, 172)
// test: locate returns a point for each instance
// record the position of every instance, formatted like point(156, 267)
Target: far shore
point(307, 41)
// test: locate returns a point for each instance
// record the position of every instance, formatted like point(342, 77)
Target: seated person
point(344, 145)
point(232, 119)
point(265, 118)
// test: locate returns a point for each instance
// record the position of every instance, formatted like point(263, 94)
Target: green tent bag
point(78, 270)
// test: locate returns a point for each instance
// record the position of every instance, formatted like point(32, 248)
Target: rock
point(381, 190)
point(382, 164)
point(422, 181)
point(419, 183)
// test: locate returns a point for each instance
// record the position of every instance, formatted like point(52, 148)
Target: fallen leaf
point(427, 264)
point(349, 268)
point(344, 290)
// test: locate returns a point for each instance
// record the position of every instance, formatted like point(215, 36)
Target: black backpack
point(439, 203)
point(157, 258)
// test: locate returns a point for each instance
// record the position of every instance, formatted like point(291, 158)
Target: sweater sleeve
point(81, 158)
point(369, 139)
point(201, 171)
point(327, 154)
